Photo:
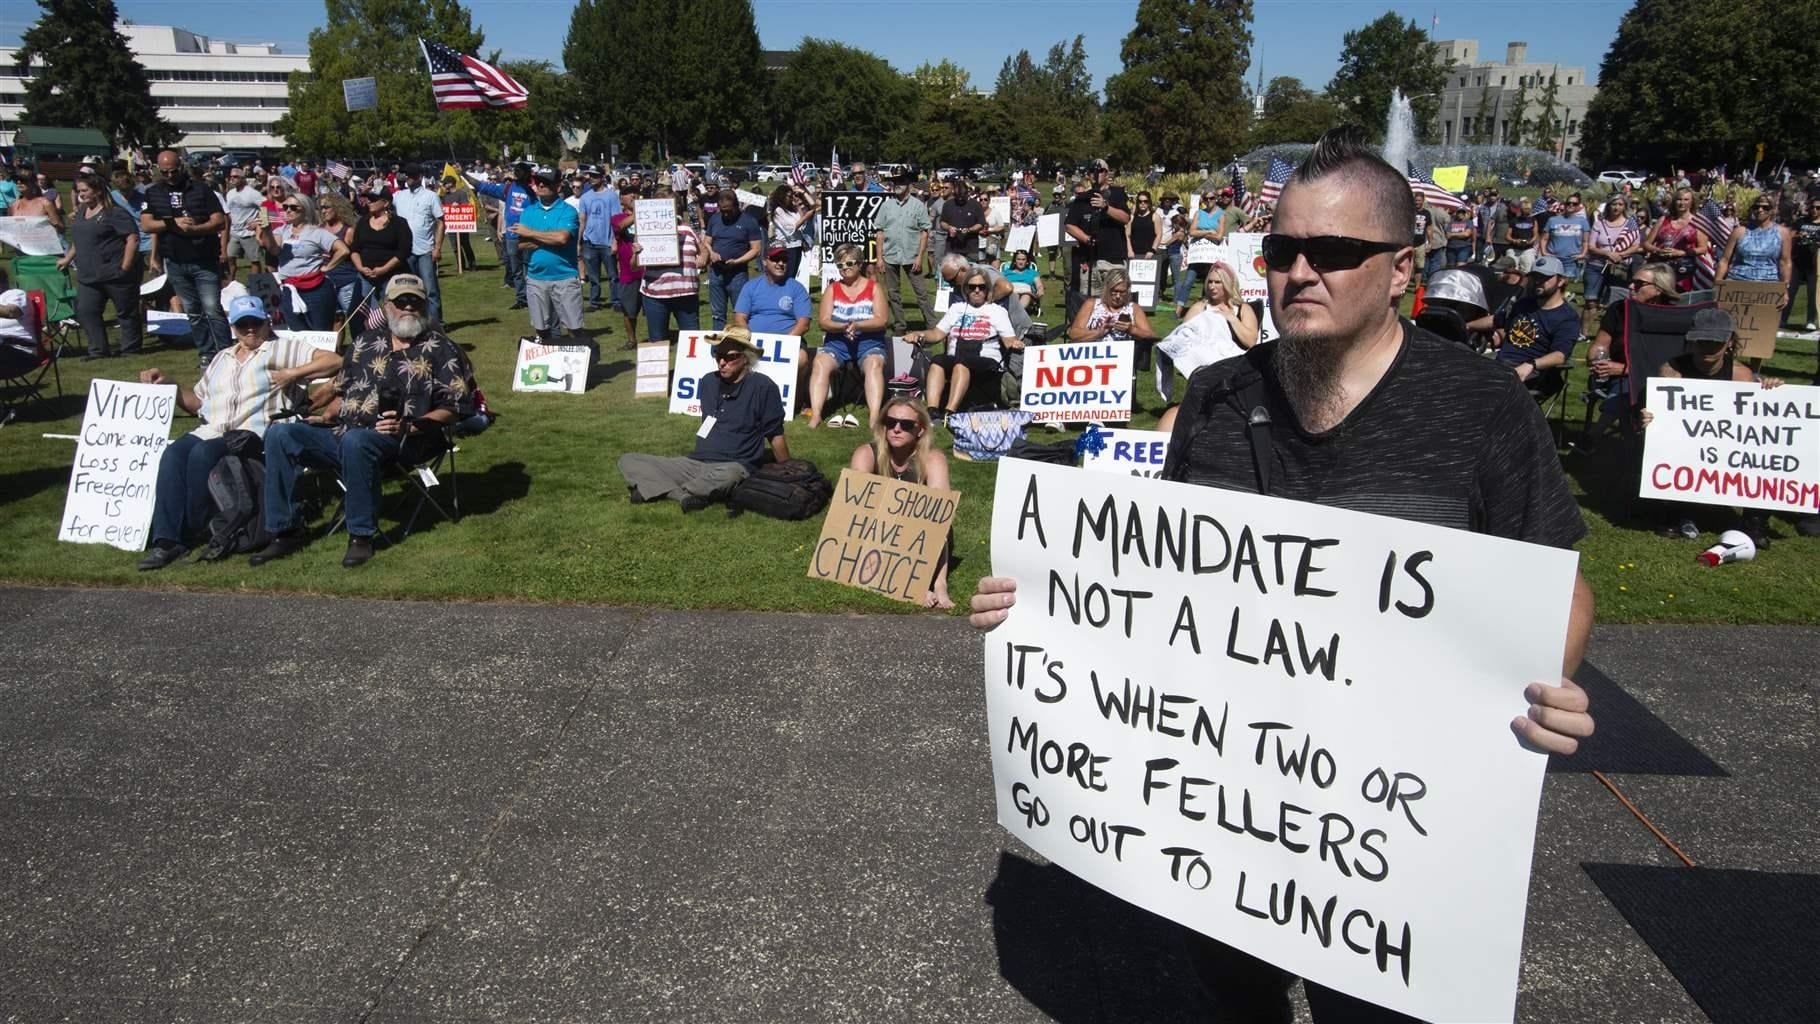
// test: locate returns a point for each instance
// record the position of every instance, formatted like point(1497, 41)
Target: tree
point(1655, 110)
point(1385, 55)
point(717, 79)
point(1483, 129)
point(1182, 86)
point(1292, 113)
point(1543, 132)
point(1051, 107)
point(1518, 117)
point(836, 96)
point(944, 81)
point(87, 76)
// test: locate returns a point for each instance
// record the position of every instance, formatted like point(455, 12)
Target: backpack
point(236, 487)
point(792, 489)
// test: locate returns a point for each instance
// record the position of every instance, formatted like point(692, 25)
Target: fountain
point(1399, 131)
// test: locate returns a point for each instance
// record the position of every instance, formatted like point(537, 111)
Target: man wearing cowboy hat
point(741, 412)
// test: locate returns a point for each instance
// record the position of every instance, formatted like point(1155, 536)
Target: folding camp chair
point(422, 466)
point(40, 273)
point(28, 385)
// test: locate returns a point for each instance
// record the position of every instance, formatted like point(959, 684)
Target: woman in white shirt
point(979, 332)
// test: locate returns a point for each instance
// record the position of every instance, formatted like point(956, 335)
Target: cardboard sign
point(32, 236)
point(460, 218)
point(360, 94)
point(1130, 452)
point(883, 535)
point(848, 217)
point(543, 367)
point(1143, 281)
point(1281, 724)
point(1049, 230)
point(1752, 305)
point(1734, 444)
point(125, 428)
point(695, 359)
point(655, 222)
point(653, 377)
point(998, 210)
point(1086, 381)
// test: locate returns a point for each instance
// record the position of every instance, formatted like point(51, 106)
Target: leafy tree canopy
point(1388, 54)
point(1183, 87)
point(1293, 113)
point(89, 77)
point(836, 96)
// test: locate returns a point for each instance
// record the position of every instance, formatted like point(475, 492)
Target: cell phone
point(391, 400)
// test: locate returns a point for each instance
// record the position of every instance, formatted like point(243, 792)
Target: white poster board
point(561, 368)
point(321, 341)
point(695, 358)
point(125, 428)
point(1733, 444)
point(32, 236)
point(360, 94)
point(1049, 230)
point(1129, 452)
point(1143, 274)
point(1178, 722)
point(1021, 238)
point(810, 267)
point(1076, 382)
point(655, 222)
point(653, 376)
point(749, 198)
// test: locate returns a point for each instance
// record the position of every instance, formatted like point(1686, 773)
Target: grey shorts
point(245, 247)
point(553, 303)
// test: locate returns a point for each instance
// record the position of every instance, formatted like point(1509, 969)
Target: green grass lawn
point(547, 518)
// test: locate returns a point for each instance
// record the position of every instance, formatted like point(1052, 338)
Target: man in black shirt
point(741, 411)
point(1355, 408)
point(1096, 221)
point(963, 219)
point(185, 221)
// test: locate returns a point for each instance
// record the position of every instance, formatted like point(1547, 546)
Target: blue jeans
point(1595, 281)
point(318, 307)
point(1459, 253)
point(198, 287)
point(1178, 279)
point(724, 287)
point(686, 310)
point(599, 260)
point(356, 456)
point(180, 504)
point(515, 266)
point(348, 295)
point(425, 268)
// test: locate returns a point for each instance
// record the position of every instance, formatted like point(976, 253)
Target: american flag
point(1432, 193)
point(1710, 219)
point(799, 177)
point(1237, 173)
point(338, 169)
point(1275, 179)
point(461, 82)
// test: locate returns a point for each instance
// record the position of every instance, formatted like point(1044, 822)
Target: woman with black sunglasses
point(1761, 250)
point(901, 449)
point(979, 333)
point(304, 253)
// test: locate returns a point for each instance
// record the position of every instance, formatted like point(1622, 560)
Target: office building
point(1479, 102)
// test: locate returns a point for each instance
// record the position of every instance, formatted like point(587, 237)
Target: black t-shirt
point(1446, 438)
point(1421, 236)
point(1807, 240)
point(194, 200)
point(1109, 233)
point(375, 246)
point(961, 215)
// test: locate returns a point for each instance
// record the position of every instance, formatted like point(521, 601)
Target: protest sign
point(1021, 238)
point(1203, 252)
point(1142, 274)
point(322, 341)
point(1752, 305)
point(459, 218)
point(695, 359)
point(1453, 179)
point(1734, 444)
point(749, 198)
point(944, 295)
point(1281, 724)
point(1243, 252)
point(998, 210)
point(848, 217)
point(655, 222)
point(653, 377)
point(32, 236)
point(1130, 452)
point(125, 427)
point(1088, 381)
point(166, 324)
point(360, 93)
point(1049, 230)
point(884, 536)
point(543, 367)
point(810, 266)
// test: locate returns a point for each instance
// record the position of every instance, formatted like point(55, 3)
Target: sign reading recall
point(124, 430)
point(847, 217)
point(1734, 444)
point(1284, 725)
point(883, 535)
point(695, 358)
point(542, 367)
point(1088, 381)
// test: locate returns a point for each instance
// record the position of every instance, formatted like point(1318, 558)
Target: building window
point(1570, 79)
point(1500, 79)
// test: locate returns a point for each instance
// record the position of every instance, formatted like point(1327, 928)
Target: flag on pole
point(1710, 220)
point(798, 176)
point(1275, 179)
point(1236, 172)
point(461, 82)
point(1433, 194)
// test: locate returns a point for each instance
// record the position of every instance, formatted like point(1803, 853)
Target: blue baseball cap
point(246, 307)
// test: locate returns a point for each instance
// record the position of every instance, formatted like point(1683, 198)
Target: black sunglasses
point(974, 286)
point(907, 426)
point(1324, 252)
point(410, 303)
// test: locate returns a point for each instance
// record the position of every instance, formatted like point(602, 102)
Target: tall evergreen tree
point(1051, 108)
point(1543, 133)
point(1389, 54)
point(1482, 127)
point(1183, 86)
point(88, 76)
point(1517, 118)
point(842, 96)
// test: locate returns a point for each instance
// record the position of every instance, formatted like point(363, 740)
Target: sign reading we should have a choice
point(883, 535)
point(125, 429)
point(1283, 725)
point(1734, 444)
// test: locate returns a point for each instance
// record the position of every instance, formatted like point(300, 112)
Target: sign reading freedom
point(1283, 725)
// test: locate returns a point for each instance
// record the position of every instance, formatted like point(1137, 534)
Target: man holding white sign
point(1355, 409)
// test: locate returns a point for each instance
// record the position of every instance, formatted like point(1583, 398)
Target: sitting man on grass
point(741, 411)
point(397, 382)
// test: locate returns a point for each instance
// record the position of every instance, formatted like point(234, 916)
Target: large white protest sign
point(1049, 230)
point(1088, 381)
point(1143, 277)
point(33, 236)
point(1021, 239)
point(1130, 452)
point(1734, 444)
point(321, 341)
point(655, 222)
point(749, 198)
point(360, 94)
point(125, 428)
point(1284, 725)
point(695, 359)
point(541, 367)
point(1201, 340)
point(1243, 252)
point(998, 210)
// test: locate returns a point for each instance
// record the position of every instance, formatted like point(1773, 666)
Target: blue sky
point(1301, 38)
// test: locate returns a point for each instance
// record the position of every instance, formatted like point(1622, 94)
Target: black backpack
point(792, 489)
point(237, 490)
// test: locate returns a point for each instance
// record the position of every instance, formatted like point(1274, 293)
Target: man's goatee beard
point(1308, 368)
point(406, 326)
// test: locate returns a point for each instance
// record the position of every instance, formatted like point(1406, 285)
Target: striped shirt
point(238, 395)
point(678, 282)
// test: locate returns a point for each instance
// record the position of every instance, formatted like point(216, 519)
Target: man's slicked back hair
point(1342, 152)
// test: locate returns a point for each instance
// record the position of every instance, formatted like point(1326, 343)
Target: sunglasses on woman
point(843, 264)
point(294, 206)
point(1323, 252)
point(976, 286)
point(895, 423)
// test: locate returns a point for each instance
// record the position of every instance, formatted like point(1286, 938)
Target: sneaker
point(1685, 529)
point(519, 305)
point(360, 551)
point(162, 554)
point(691, 503)
point(634, 497)
point(286, 543)
point(7, 414)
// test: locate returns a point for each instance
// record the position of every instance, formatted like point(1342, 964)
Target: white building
point(1486, 89)
point(220, 94)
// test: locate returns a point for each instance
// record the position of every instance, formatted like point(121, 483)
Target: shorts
point(245, 247)
point(554, 301)
point(978, 366)
point(841, 349)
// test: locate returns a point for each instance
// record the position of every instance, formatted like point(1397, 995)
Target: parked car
point(944, 173)
point(1615, 179)
point(773, 173)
